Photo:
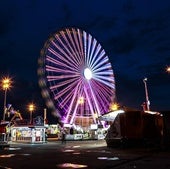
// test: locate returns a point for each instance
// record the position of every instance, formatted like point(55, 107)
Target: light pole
point(6, 84)
point(31, 108)
point(146, 93)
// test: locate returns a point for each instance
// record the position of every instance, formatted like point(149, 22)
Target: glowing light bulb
point(87, 73)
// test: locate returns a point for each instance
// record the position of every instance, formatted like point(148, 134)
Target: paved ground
point(81, 154)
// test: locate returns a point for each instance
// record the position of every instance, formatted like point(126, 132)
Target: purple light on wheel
point(77, 75)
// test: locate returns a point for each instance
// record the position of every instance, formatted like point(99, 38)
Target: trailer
point(131, 128)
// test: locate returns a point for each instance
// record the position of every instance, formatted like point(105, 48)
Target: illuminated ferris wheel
point(76, 76)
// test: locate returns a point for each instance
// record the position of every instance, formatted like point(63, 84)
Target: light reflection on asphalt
point(25, 154)
point(7, 155)
point(98, 151)
point(71, 165)
point(108, 158)
point(12, 155)
point(76, 153)
point(67, 150)
point(13, 148)
point(76, 146)
point(102, 158)
point(113, 158)
point(2, 167)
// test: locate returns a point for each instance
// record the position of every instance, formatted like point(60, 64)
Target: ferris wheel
point(76, 76)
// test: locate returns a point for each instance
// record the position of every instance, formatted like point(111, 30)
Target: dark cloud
point(123, 44)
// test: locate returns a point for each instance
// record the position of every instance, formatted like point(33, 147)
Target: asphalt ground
point(93, 154)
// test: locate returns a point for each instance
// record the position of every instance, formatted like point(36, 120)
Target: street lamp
point(6, 84)
point(146, 93)
point(168, 69)
point(31, 108)
point(81, 100)
point(114, 106)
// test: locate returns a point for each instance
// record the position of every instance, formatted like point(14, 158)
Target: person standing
point(63, 139)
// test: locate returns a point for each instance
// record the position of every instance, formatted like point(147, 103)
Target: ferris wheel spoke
point(63, 62)
point(88, 49)
point(105, 71)
point(90, 104)
point(81, 43)
point(60, 59)
point(75, 108)
point(102, 94)
point(93, 53)
point(74, 114)
point(72, 102)
point(66, 47)
point(105, 82)
point(73, 52)
point(63, 52)
point(76, 38)
point(105, 78)
point(68, 59)
point(101, 101)
point(97, 61)
point(65, 90)
point(95, 100)
point(109, 73)
point(59, 84)
point(102, 89)
point(66, 100)
point(61, 93)
point(58, 70)
point(85, 47)
point(74, 46)
point(96, 53)
point(70, 48)
point(61, 77)
point(102, 65)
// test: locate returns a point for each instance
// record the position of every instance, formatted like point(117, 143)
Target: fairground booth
point(23, 131)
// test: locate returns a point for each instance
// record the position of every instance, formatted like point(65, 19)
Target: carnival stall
point(22, 131)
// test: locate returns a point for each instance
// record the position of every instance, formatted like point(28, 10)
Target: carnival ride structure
point(76, 77)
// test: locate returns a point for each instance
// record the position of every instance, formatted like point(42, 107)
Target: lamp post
point(31, 108)
point(146, 94)
point(6, 84)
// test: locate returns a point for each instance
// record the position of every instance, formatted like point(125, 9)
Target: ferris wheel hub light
point(87, 73)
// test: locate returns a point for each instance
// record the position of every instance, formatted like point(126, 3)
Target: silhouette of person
point(63, 139)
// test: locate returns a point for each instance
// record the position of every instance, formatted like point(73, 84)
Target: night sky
point(134, 34)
